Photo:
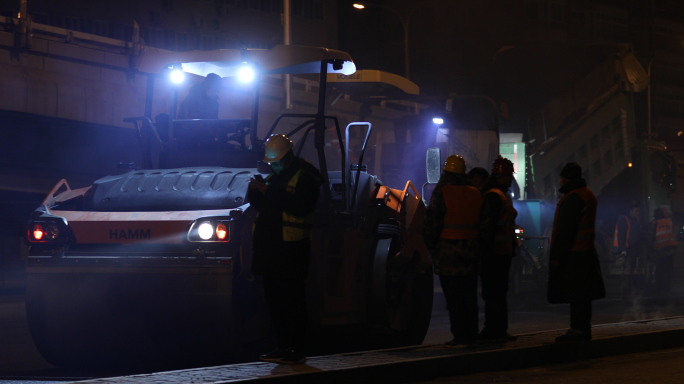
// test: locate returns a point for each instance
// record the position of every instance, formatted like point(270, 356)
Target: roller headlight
point(205, 231)
point(210, 230)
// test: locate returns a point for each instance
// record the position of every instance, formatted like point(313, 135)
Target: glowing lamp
point(177, 76)
point(221, 231)
point(246, 74)
point(438, 120)
point(38, 232)
point(205, 231)
point(359, 6)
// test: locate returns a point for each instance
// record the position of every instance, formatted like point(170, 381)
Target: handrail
point(316, 118)
point(409, 183)
point(50, 198)
point(146, 119)
point(363, 151)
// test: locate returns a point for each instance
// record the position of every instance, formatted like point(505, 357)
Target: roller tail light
point(48, 231)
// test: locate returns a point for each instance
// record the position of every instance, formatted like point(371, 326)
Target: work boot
point(574, 335)
point(273, 356)
point(460, 343)
point(487, 336)
point(292, 357)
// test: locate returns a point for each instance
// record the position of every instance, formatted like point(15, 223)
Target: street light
point(404, 24)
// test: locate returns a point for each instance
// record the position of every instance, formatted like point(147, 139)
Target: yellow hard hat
point(455, 164)
point(276, 147)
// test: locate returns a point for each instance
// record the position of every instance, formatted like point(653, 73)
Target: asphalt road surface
point(20, 362)
point(665, 366)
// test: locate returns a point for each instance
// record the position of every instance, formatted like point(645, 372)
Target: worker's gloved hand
point(257, 184)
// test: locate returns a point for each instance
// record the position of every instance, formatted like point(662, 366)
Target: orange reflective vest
point(463, 203)
point(584, 239)
point(616, 243)
point(505, 232)
point(664, 236)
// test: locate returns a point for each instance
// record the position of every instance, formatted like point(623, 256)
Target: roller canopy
point(281, 59)
point(370, 82)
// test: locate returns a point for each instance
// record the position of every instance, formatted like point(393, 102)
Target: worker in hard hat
point(497, 247)
point(450, 230)
point(574, 269)
point(285, 202)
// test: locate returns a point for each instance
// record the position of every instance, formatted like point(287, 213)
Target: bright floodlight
point(359, 6)
point(205, 231)
point(177, 76)
point(246, 74)
point(438, 120)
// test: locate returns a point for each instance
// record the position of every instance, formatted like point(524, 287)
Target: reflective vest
point(584, 239)
point(505, 232)
point(463, 203)
point(664, 236)
point(295, 228)
point(616, 243)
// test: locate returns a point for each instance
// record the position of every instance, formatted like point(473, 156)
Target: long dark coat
point(573, 275)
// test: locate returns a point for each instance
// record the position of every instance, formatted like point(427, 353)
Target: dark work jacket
point(452, 257)
point(491, 215)
point(573, 275)
point(198, 105)
point(272, 255)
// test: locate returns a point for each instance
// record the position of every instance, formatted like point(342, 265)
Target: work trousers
point(664, 267)
point(286, 301)
point(580, 315)
point(494, 272)
point(460, 293)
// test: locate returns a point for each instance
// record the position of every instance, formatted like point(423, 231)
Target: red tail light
point(48, 232)
point(221, 231)
point(38, 232)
